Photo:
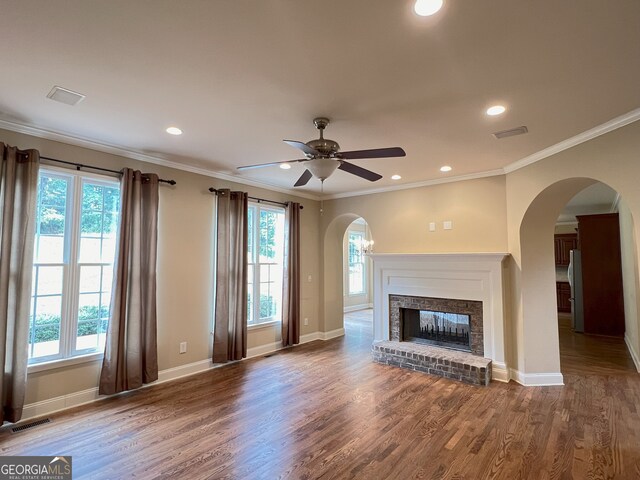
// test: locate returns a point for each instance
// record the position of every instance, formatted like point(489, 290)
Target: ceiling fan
point(323, 157)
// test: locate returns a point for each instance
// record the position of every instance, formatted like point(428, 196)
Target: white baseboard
point(75, 399)
point(634, 354)
point(263, 349)
point(499, 372)
point(332, 334)
point(355, 308)
point(537, 379)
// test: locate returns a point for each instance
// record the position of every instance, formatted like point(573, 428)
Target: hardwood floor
point(582, 354)
point(325, 410)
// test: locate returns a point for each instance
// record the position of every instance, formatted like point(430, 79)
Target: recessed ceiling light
point(424, 8)
point(174, 131)
point(445, 168)
point(495, 110)
point(285, 166)
point(395, 177)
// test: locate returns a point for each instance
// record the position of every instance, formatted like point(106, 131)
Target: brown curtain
point(18, 196)
point(291, 281)
point(230, 330)
point(131, 354)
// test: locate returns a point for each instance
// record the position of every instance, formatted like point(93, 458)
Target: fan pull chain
point(321, 197)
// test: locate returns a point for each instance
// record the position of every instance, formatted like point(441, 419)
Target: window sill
point(258, 326)
point(64, 362)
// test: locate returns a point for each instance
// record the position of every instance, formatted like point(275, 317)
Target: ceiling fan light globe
point(322, 168)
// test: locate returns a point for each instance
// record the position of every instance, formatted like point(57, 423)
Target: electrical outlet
point(306, 321)
point(183, 347)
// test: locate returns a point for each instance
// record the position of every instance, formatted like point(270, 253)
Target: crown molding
point(143, 157)
point(426, 183)
point(618, 122)
point(615, 123)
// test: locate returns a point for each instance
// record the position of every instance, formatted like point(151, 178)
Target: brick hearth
point(457, 365)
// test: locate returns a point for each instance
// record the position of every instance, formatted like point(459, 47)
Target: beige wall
point(185, 260)
point(399, 222)
point(535, 196)
point(628, 249)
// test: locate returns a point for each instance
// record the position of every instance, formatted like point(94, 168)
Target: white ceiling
point(240, 76)
point(595, 199)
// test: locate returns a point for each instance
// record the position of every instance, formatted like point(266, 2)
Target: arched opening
point(336, 274)
point(540, 274)
point(589, 240)
point(357, 278)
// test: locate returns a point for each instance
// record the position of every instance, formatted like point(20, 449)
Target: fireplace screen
point(440, 328)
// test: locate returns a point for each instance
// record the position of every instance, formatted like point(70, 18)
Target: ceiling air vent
point(64, 95)
point(510, 133)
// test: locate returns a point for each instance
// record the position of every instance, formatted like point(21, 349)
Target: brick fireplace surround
point(442, 282)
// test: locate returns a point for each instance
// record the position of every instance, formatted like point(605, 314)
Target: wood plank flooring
point(325, 410)
point(582, 354)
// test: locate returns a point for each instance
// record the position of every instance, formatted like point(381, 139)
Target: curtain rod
point(80, 165)
point(259, 200)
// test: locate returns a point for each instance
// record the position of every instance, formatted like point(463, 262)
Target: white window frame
point(361, 262)
point(71, 266)
point(253, 258)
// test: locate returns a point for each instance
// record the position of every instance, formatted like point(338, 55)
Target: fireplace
point(444, 322)
point(445, 329)
point(475, 280)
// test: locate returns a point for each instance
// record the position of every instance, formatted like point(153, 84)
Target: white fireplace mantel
point(460, 276)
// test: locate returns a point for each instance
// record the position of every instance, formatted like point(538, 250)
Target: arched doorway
point(537, 338)
point(357, 280)
point(593, 233)
point(336, 277)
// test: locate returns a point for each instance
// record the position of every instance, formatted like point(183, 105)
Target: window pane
point(250, 273)
point(250, 235)
point(44, 328)
point(93, 317)
point(98, 222)
point(47, 280)
point(266, 238)
point(51, 219)
point(271, 236)
point(356, 279)
point(90, 279)
point(267, 301)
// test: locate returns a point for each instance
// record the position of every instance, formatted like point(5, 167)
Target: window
point(76, 231)
point(265, 264)
point(356, 264)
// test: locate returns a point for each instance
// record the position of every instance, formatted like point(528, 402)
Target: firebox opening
point(437, 328)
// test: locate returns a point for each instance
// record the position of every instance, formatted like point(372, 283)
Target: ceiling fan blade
point(374, 153)
point(260, 165)
point(302, 146)
point(304, 178)
point(359, 171)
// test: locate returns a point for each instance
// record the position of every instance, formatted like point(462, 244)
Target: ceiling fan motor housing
point(326, 147)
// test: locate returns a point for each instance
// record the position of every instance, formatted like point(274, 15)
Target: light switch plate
point(432, 226)
point(448, 225)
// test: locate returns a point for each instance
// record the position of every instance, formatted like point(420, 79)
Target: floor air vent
point(26, 426)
